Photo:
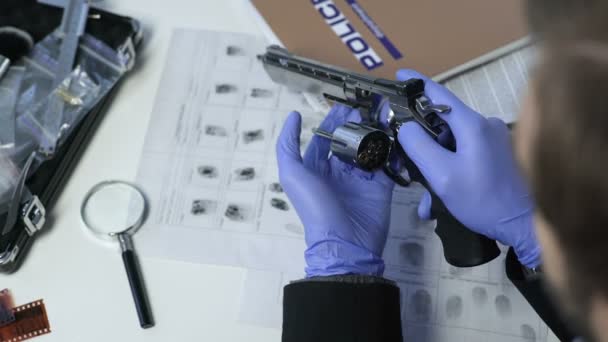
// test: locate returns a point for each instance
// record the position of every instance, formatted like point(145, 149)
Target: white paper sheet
point(495, 89)
point(446, 308)
point(208, 165)
point(210, 150)
point(439, 302)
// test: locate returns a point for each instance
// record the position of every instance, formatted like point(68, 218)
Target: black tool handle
point(461, 246)
point(138, 289)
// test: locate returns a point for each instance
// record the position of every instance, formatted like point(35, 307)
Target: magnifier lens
point(113, 208)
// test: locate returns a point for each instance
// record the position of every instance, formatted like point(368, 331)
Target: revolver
point(372, 144)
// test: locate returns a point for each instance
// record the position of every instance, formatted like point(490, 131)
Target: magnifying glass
point(114, 210)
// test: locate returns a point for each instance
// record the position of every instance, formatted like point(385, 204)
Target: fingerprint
point(244, 174)
point(202, 207)
point(253, 136)
point(233, 50)
point(216, 131)
point(413, 253)
point(225, 88)
point(528, 333)
point(234, 212)
point(480, 295)
point(279, 204)
point(459, 271)
point(294, 228)
point(453, 307)
point(275, 187)
point(503, 306)
point(207, 171)
point(421, 305)
point(259, 92)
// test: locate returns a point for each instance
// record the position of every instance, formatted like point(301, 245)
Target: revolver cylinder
point(359, 145)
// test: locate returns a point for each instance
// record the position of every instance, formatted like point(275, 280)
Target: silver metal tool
point(73, 23)
point(359, 145)
point(114, 211)
point(9, 94)
point(75, 15)
point(384, 106)
point(4, 64)
point(406, 99)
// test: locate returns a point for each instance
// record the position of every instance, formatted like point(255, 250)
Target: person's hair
point(569, 160)
point(545, 16)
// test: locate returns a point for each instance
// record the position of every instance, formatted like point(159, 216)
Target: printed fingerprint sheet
point(209, 171)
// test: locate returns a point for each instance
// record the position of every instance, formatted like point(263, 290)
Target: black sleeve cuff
point(347, 308)
point(535, 293)
point(348, 278)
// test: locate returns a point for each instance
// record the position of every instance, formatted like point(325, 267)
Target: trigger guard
point(444, 134)
point(395, 176)
point(434, 123)
point(398, 179)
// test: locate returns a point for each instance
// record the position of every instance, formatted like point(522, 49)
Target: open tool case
point(108, 35)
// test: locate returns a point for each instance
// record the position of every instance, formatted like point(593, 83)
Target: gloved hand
point(345, 211)
point(479, 183)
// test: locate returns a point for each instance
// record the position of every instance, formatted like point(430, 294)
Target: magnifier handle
point(137, 289)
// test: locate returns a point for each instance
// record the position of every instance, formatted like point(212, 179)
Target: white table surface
point(82, 281)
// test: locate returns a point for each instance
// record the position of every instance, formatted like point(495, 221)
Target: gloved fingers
point(288, 144)
point(301, 186)
point(384, 112)
point(396, 165)
point(430, 157)
point(342, 170)
point(317, 155)
point(498, 125)
point(347, 173)
point(353, 116)
point(382, 178)
point(462, 120)
point(337, 116)
point(436, 92)
point(424, 208)
point(499, 132)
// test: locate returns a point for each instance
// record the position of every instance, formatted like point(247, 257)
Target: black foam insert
point(39, 20)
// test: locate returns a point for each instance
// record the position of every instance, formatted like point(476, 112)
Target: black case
point(40, 20)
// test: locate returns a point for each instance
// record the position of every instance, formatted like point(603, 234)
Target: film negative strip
point(30, 321)
point(6, 308)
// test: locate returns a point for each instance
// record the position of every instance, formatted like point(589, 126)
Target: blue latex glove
point(480, 183)
point(345, 211)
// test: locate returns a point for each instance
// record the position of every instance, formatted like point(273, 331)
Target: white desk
point(82, 281)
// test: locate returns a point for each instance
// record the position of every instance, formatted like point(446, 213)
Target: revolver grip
point(461, 246)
